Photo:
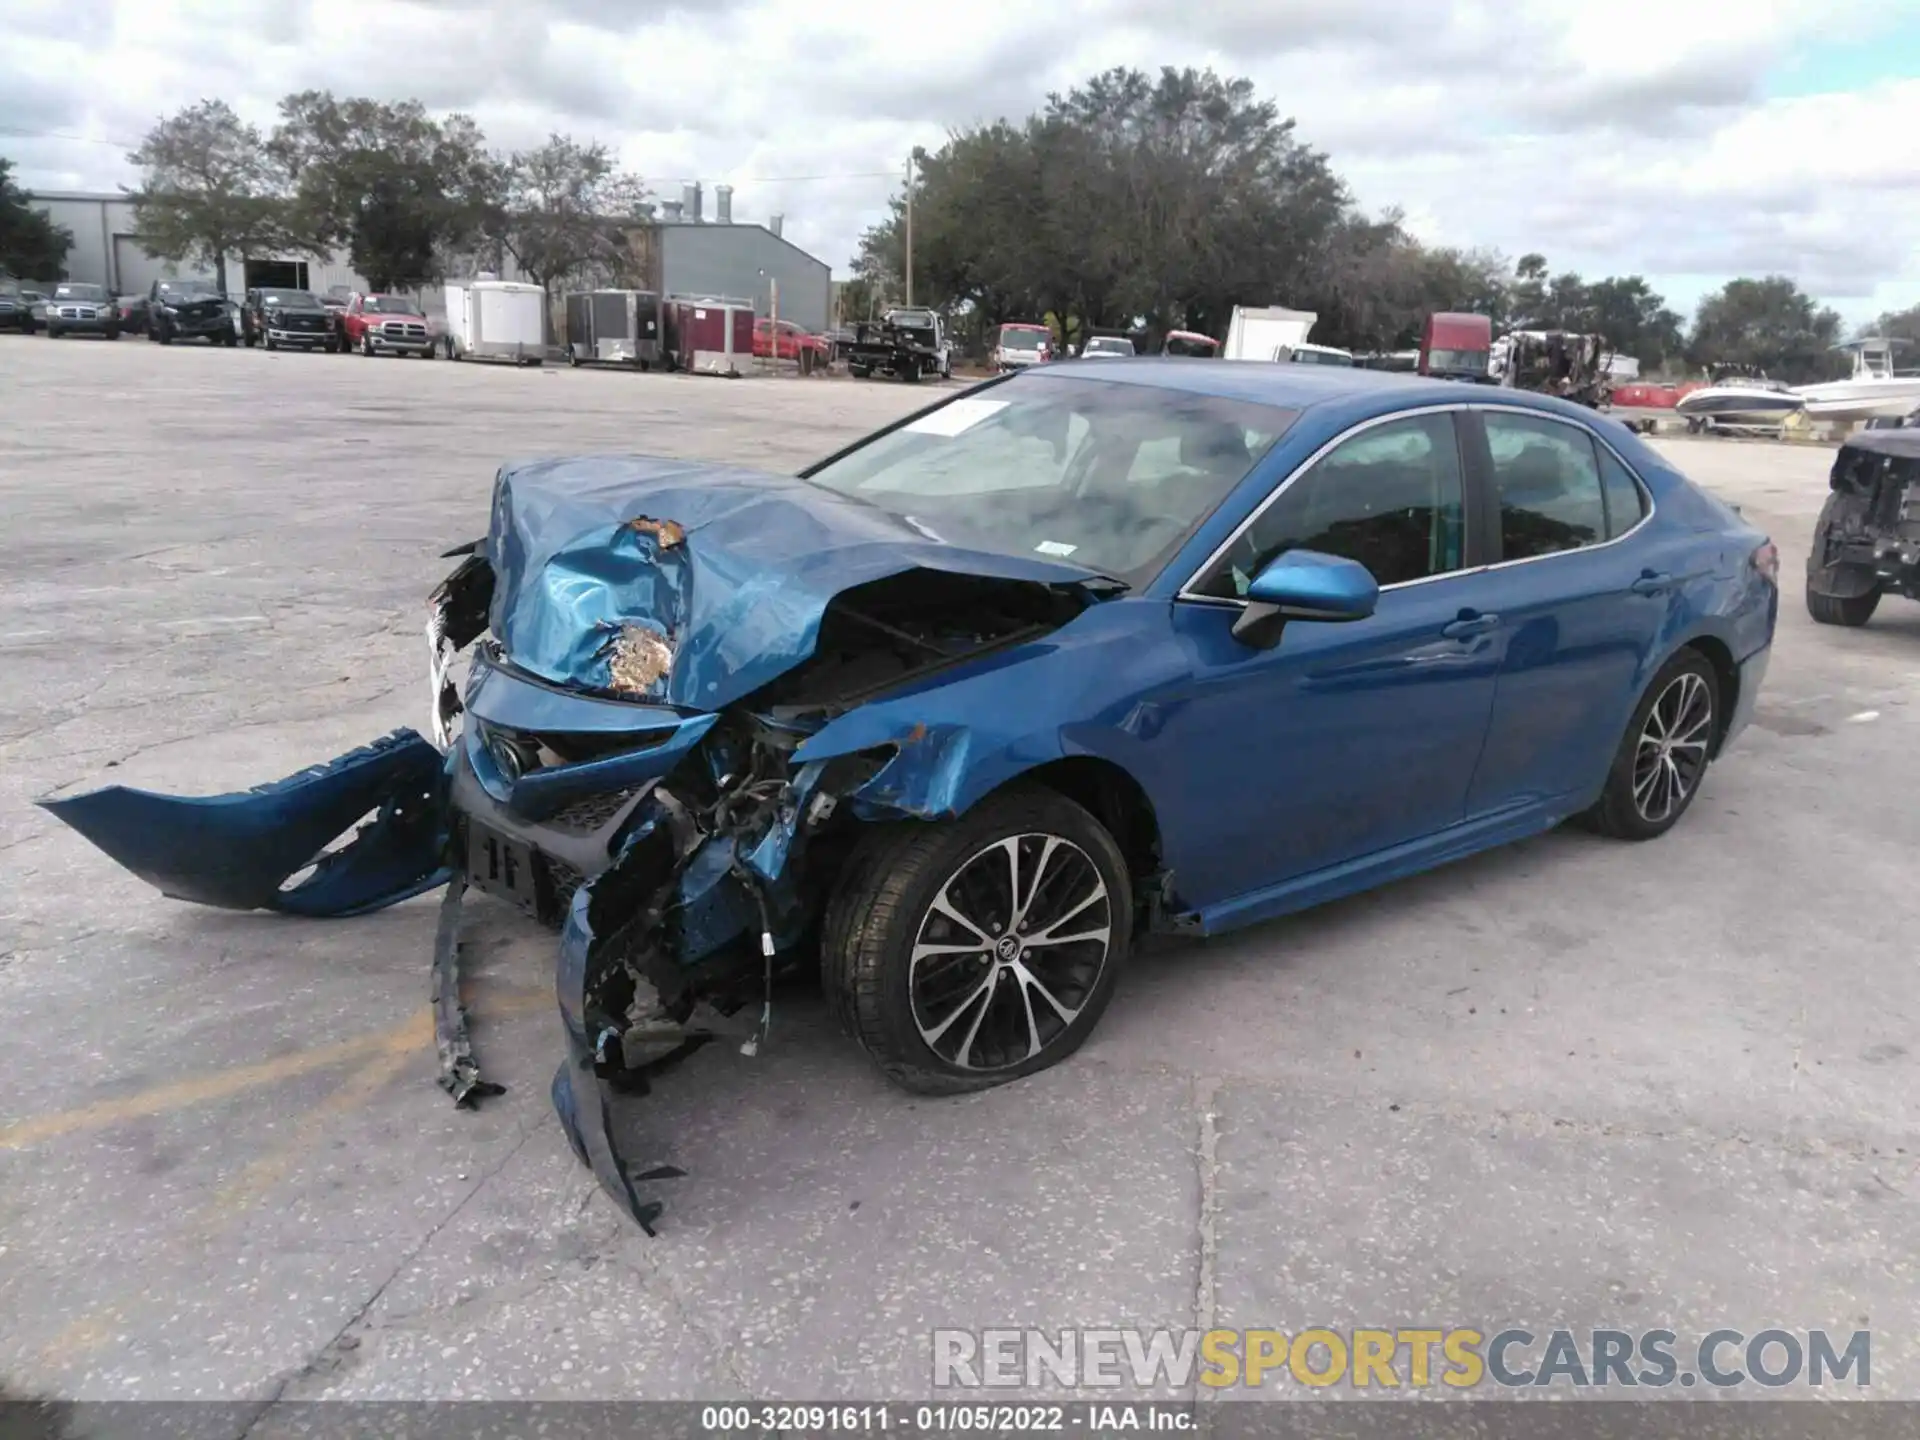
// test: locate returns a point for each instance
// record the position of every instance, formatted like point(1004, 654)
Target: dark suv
point(16, 306)
point(189, 309)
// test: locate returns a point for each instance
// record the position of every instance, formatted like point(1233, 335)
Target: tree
point(1894, 325)
point(1527, 297)
point(209, 189)
point(1165, 198)
point(1635, 320)
point(32, 247)
point(565, 207)
point(1767, 323)
point(393, 186)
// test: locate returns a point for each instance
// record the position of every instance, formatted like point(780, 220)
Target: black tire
point(53, 332)
point(884, 904)
point(1841, 609)
point(165, 337)
point(268, 342)
point(1826, 607)
point(113, 334)
point(1628, 809)
point(859, 372)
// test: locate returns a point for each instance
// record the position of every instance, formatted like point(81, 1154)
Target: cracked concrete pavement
point(1570, 1084)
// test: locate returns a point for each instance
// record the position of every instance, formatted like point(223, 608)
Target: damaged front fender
point(239, 851)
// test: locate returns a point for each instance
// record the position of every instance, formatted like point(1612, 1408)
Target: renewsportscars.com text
point(1460, 1358)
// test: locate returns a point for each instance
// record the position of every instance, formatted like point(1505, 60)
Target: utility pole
point(909, 229)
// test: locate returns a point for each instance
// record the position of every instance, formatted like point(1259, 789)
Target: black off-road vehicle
point(1867, 541)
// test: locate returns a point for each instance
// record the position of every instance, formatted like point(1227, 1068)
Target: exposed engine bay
point(643, 757)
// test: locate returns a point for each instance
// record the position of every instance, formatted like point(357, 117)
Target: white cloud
point(1615, 139)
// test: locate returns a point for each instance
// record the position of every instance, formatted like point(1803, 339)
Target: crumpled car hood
point(731, 568)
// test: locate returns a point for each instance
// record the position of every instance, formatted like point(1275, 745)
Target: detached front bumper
point(195, 328)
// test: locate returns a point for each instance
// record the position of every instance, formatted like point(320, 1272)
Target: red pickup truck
point(385, 325)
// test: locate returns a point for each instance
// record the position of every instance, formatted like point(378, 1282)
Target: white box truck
point(1263, 332)
point(489, 319)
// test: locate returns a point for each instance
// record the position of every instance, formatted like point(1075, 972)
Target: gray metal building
point(107, 251)
point(681, 253)
point(695, 256)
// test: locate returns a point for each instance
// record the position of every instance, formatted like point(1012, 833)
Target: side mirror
point(1304, 585)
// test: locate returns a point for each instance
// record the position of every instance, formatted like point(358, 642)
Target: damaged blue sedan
point(1088, 651)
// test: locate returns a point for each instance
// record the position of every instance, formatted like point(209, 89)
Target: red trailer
point(711, 337)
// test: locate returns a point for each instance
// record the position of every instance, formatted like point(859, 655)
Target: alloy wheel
point(1671, 753)
point(1008, 953)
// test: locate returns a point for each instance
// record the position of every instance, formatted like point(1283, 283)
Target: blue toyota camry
point(963, 709)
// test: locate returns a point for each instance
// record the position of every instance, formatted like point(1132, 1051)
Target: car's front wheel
point(1664, 757)
point(965, 954)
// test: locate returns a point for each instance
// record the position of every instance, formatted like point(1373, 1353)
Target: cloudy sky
point(1689, 140)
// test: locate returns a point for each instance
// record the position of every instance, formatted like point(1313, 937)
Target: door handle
point(1470, 623)
point(1651, 582)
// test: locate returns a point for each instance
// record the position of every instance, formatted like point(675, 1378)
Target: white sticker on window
point(1055, 547)
point(956, 417)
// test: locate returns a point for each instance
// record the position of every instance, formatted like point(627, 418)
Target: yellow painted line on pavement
point(222, 1084)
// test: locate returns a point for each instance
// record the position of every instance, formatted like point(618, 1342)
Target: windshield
point(1459, 362)
point(1321, 357)
point(1111, 476)
point(1108, 345)
point(913, 319)
point(389, 305)
point(301, 298)
point(187, 289)
point(80, 292)
point(1022, 339)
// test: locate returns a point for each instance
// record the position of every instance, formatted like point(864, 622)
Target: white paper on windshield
point(1056, 547)
point(955, 418)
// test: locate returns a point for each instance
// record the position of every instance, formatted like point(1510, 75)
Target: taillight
point(1766, 560)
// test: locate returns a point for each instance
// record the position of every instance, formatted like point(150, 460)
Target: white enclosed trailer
point(1262, 332)
point(490, 319)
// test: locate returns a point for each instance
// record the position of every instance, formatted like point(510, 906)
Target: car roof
point(1306, 387)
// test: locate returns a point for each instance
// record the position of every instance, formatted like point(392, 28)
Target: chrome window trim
point(1186, 591)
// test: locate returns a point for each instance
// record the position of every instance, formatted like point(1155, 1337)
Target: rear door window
point(1548, 483)
point(1626, 502)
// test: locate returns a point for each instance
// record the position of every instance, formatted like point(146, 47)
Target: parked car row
point(273, 317)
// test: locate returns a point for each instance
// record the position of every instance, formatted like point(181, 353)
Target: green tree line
point(1164, 201)
point(400, 191)
point(1129, 200)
